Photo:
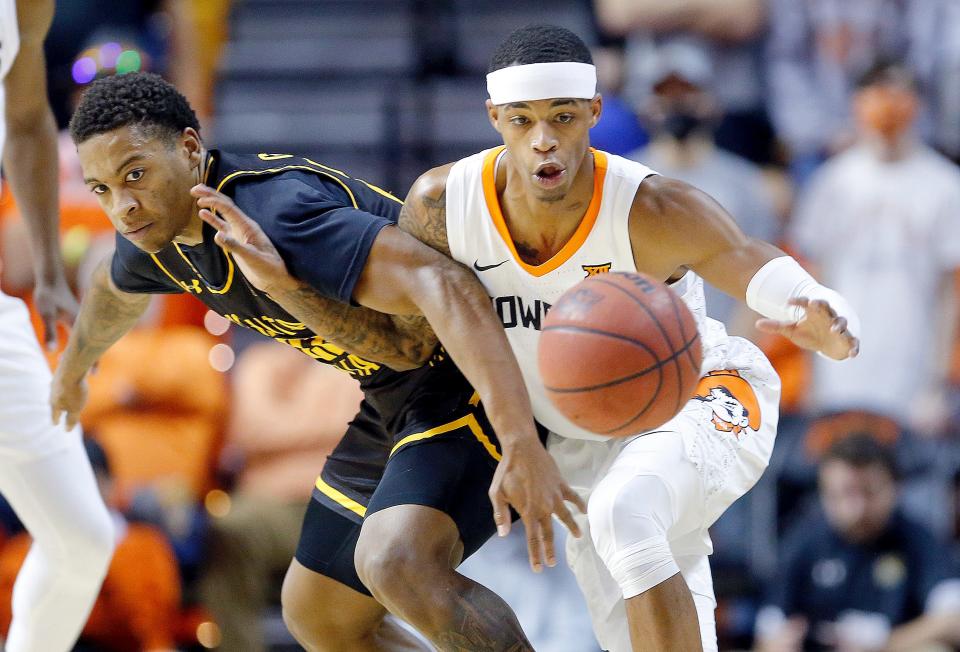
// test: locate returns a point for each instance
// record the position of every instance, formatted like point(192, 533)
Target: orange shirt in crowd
point(159, 409)
point(139, 603)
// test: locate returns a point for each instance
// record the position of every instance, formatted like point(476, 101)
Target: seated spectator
point(863, 575)
point(156, 405)
point(138, 605)
point(288, 412)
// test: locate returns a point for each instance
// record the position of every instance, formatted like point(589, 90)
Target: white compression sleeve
point(782, 279)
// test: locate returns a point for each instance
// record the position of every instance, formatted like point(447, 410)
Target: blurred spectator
point(157, 405)
point(819, 48)
point(879, 224)
point(140, 599)
point(861, 576)
point(288, 412)
point(726, 32)
point(618, 131)
point(682, 114)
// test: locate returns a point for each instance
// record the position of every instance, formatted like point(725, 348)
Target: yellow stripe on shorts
point(467, 421)
point(340, 498)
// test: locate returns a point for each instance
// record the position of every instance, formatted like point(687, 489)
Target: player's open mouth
point(549, 175)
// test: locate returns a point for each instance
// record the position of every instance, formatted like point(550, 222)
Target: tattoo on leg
point(481, 622)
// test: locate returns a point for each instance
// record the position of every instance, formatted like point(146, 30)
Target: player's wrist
point(49, 271)
point(514, 440)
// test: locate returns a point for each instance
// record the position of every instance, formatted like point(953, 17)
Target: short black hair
point(885, 71)
point(540, 44)
point(137, 98)
point(861, 450)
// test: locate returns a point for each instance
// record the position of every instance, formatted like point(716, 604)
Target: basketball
point(619, 354)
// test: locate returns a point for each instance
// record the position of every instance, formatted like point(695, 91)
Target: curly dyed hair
point(139, 98)
point(540, 44)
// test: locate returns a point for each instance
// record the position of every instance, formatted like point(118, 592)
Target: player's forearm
point(106, 315)
point(30, 158)
point(400, 342)
point(458, 308)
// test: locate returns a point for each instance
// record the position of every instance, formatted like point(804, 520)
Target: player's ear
point(493, 113)
point(190, 141)
point(596, 108)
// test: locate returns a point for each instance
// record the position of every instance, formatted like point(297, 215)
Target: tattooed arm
point(424, 216)
point(526, 476)
point(105, 316)
point(399, 341)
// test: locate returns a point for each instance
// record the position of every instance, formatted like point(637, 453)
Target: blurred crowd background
point(830, 127)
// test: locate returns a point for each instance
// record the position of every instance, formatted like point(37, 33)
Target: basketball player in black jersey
point(356, 276)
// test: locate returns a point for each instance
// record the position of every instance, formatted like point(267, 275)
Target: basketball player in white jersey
point(44, 471)
point(535, 217)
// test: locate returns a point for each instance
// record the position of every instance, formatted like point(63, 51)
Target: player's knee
point(93, 549)
point(397, 567)
point(87, 560)
point(629, 523)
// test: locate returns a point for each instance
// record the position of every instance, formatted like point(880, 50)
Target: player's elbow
point(435, 287)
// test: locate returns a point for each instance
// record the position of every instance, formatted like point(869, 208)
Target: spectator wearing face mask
point(681, 113)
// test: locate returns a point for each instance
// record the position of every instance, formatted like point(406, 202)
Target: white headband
point(542, 81)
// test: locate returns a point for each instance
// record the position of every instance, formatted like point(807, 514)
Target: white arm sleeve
point(782, 279)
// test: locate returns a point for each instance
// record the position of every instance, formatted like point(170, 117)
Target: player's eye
point(98, 189)
point(134, 175)
point(565, 118)
point(519, 120)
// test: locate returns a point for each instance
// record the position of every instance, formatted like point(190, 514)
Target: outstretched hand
point(243, 238)
point(819, 329)
point(529, 480)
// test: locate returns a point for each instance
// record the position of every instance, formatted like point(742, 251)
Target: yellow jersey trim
point(341, 499)
point(226, 285)
point(576, 240)
point(326, 167)
point(283, 168)
point(467, 421)
point(173, 278)
point(381, 191)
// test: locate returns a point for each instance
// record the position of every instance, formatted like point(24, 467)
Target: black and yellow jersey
point(322, 221)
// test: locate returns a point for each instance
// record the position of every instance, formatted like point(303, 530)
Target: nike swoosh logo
point(483, 268)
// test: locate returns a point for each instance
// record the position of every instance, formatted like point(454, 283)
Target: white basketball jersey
point(9, 46)
point(522, 293)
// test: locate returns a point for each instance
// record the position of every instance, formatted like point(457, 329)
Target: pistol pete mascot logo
point(733, 401)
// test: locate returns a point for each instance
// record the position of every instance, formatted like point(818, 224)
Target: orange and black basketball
point(620, 354)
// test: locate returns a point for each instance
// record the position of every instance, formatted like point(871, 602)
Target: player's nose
point(543, 138)
point(124, 204)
